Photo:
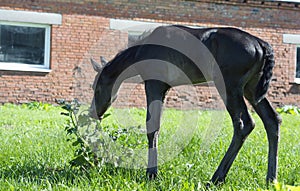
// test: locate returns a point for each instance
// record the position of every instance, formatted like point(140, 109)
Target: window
point(134, 28)
point(25, 40)
point(24, 46)
point(298, 64)
point(294, 39)
point(135, 36)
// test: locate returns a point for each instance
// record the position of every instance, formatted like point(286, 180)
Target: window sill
point(25, 68)
point(30, 17)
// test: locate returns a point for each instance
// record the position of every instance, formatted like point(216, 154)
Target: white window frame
point(43, 67)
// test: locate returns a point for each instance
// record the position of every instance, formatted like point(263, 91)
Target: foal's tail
point(269, 61)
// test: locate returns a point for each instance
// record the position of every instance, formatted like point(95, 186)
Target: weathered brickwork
point(85, 32)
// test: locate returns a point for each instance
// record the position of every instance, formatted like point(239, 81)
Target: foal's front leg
point(153, 123)
point(155, 92)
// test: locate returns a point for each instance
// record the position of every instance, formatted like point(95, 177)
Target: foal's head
point(101, 99)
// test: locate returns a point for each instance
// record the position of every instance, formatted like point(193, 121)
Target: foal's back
point(201, 53)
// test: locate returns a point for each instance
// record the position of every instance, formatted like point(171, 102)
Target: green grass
point(34, 153)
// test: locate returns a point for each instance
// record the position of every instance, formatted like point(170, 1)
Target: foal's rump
point(244, 60)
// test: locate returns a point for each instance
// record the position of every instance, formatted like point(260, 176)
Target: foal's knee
point(152, 139)
point(244, 128)
point(278, 119)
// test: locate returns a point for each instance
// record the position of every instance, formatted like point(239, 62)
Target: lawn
point(35, 153)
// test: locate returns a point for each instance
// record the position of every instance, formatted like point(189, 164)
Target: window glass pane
point(22, 44)
point(298, 63)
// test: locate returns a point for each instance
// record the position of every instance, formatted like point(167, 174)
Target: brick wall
point(85, 33)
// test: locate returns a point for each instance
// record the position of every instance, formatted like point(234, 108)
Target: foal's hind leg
point(271, 121)
point(155, 92)
point(243, 125)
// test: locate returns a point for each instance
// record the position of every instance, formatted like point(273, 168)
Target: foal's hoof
point(152, 176)
point(151, 173)
point(208, 185)
point(217, 182)
point(271, 181)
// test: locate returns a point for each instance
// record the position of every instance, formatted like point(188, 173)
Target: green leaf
point(78, 141)
point(79, 161)
point(75, 143)
point(67, 107)
point(289, 109)
point(106, 115)
point(66, 114)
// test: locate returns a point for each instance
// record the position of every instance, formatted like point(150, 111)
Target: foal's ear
point(103, 61)
point(97, 67)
